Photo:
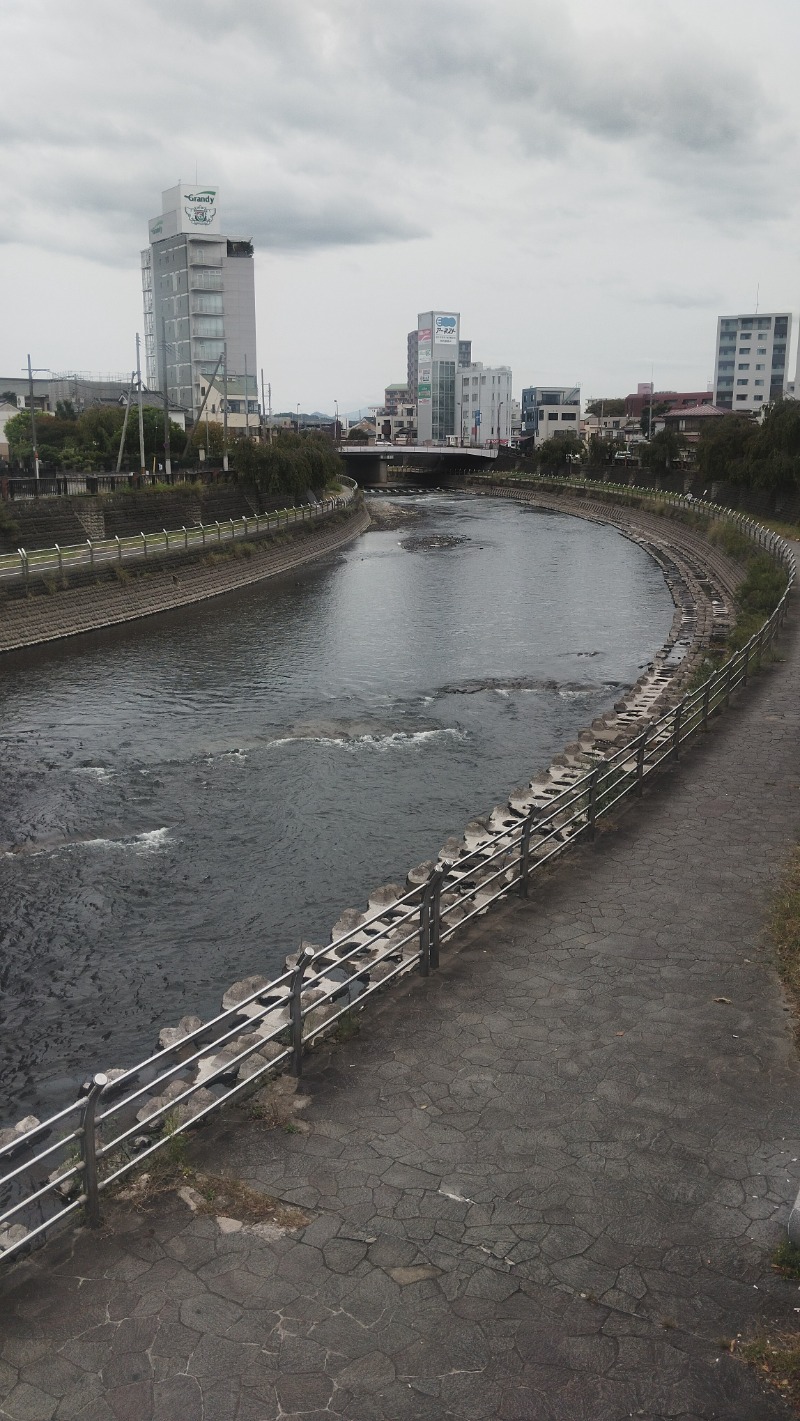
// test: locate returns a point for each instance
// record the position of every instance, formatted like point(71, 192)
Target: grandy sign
point(202, 207)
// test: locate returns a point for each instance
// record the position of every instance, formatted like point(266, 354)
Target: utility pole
point(33, 424)
point(167, 459)
point(246, 403)
point(142, 466)
point(225, 407)
point(125, 422)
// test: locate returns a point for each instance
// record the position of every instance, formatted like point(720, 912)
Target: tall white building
point(436, 361)
point(483, 403)
point(751, 360)
point(199, 298)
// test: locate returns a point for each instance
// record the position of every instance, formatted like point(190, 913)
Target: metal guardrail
point(25, 564)
point(57, 1169)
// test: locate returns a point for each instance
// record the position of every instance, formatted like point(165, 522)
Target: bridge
point(383, 463)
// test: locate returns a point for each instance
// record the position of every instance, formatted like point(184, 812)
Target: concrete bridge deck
point(544, 1183)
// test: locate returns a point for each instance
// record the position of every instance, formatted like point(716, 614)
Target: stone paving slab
point(544, 1183)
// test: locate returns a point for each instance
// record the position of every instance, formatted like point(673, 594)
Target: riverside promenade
point(543, 1183)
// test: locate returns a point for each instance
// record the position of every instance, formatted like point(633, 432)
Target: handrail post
point(592, 810)
point(676, 732)
point(91, 552)
point(706, 699)
point(119, 547)
point(746, 664)
point(166, 539)
point(525, 852)
point(296, 1011)
point(429, 921)
point(60, 561)
point(728, 680)
point(143, 537)
point(640, 754)
point(23, 565)
point(203, 532)
point(219, 530)
point(185, 537)
point(93, 1090)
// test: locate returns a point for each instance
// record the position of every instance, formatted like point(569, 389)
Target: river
point(184, 798)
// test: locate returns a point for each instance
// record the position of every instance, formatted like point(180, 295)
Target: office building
point(437, 358)
point(751, 360)
point(483, 404)
point(465, 352)
point(199, 298)
point(551, 412)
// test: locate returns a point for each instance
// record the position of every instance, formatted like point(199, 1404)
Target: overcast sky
point(590, 184)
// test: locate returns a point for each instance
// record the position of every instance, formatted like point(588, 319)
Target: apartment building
point(751, 363)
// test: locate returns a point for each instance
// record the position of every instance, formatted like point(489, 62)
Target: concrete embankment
point(175, 581)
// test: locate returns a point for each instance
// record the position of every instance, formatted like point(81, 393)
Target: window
point(744, 350)
point(759, 367)
point(743, 382)
point(474, 379)
point(764, 323)
point(483, 379)
point(741, 397)
point(762, 350)
point(746, 366)
point(781, 327)
point(758, 397)
point(569, 416)
point(725, 382)
point(758, 382)
point(726, 365)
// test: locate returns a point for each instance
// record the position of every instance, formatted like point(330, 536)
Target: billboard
point(445, 330)
point(193, 207)
point(424, 335)
point(423, 390)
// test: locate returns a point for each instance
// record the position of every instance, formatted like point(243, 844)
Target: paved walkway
point(543, 1184)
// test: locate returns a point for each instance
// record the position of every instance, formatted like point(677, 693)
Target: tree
point(602, 451)
point(8, 397)
point(290, 466)
point(612, 406)
point(65, 409)
point(91, 441)
point(724, 446)
point(663, 451)
point(554, 453)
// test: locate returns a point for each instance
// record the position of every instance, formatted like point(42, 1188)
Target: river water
point(183, 799)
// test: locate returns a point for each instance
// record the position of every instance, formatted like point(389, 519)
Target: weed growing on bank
point(784, 925)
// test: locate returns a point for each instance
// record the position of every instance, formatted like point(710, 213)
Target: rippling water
point(182, 799)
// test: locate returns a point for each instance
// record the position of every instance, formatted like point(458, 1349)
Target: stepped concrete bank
point(544, 1183)
point(174, 581)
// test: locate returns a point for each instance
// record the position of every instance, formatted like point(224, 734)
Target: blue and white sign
point(445, 330)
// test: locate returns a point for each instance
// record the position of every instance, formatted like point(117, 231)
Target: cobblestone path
point(544, 1183)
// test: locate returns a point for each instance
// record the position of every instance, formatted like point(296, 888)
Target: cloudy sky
point(589, 183)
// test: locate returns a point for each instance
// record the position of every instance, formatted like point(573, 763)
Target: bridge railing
point(59, 1169)
point(26, 563)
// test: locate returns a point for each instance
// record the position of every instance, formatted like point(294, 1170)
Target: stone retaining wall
point(174, 582)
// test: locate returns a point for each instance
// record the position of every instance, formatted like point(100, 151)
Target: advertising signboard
point(194, 207)
point(424, 335)
point(423, 391)
point(446, 330)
